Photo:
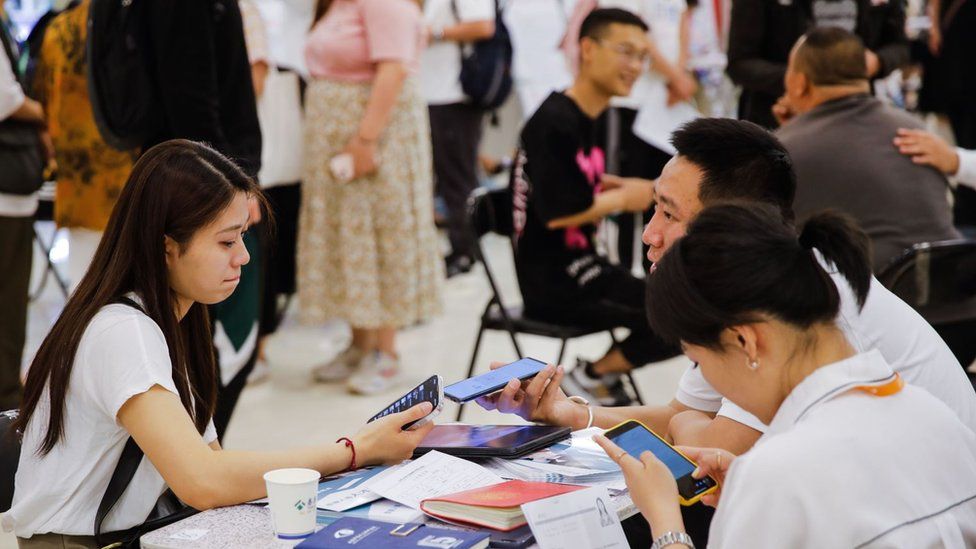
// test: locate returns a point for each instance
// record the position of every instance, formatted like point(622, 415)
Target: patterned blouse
point(91, 174)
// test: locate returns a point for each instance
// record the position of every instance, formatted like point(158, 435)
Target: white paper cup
point(292, 497)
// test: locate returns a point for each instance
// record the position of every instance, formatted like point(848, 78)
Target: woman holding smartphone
point(108, 371)
point(367, 243)
point(853, 457)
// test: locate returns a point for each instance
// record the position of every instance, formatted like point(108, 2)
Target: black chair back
point(938, 279)
point(490, 211)
point(9, 458)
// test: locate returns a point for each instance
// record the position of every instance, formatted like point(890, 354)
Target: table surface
point(249, 527)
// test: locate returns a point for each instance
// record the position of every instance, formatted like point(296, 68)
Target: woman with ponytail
point(853, 456)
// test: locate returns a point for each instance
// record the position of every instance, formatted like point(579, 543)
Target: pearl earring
point(754, 365)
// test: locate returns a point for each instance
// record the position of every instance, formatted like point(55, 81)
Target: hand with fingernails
point(537, 399)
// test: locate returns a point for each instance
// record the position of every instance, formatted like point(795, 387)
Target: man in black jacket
point(762, 32)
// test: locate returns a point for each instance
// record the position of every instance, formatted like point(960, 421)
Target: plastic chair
point(490, 211)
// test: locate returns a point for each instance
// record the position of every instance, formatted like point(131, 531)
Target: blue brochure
point(362, 533)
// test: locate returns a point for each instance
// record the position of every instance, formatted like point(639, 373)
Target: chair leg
point(518, 350)
point(633, 386)
point(50, 268)
point(562, 352)
point(474, 358)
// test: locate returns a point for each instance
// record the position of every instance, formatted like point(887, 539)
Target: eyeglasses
point(628, 53)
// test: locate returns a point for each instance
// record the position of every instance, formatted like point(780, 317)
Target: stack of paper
point(577, 461)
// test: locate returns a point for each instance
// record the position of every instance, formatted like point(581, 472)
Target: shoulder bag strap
point(126, 468)
point(124, 471)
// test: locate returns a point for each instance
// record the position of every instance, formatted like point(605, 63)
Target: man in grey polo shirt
point(839, 137)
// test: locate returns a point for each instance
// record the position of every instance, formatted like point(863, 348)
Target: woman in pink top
point(367, 245)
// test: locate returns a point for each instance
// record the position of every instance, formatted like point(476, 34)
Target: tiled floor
point(290, 410)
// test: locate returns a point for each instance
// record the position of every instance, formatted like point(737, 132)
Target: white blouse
point(840, 467)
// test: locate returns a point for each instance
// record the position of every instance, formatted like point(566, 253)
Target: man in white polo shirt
point(723, 159)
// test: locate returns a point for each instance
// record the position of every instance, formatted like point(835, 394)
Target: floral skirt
point(367, 249)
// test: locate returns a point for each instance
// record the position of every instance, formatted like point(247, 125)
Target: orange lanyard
point(885, 388)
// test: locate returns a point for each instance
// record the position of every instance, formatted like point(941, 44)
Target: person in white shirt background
point(536, 28)
point(854, 456)
point(16, 230)
point(455, 125)
point(931, 150)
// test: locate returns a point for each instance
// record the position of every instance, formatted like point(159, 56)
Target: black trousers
point(279, 253)
point(621, 304)
point(16, 254)
point(629, 156)
point(697, 519)
point(455, 133)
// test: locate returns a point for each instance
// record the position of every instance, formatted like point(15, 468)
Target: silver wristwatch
point(671, 538)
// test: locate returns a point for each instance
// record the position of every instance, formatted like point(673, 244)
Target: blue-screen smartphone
point(635, 438)
point(488, 383)
point(430, 391)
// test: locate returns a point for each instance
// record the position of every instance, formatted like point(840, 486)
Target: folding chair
point(45, 212)
point(490, 211)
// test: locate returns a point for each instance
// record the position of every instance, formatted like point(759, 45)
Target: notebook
point(498, 506)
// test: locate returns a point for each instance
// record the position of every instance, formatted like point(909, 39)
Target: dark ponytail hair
point(738, 261)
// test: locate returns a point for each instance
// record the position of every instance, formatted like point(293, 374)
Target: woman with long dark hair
point(109, 370)
point(853, 457)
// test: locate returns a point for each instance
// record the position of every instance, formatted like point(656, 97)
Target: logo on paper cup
point(344, 533)
point(305, 506)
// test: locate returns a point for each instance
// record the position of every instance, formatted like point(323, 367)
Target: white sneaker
point(377, 372)
point(340, 367)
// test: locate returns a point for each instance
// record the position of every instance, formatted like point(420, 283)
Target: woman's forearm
point(230, 477)
point(387, 85)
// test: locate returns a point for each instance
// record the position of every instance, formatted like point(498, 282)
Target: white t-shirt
point(440, 64)
point(538, 65)
point(122, 353)
point(842, 468)
point(908, 343)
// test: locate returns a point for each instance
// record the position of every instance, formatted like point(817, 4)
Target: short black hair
point(739, 161)
point(739, 261)
point(831, 56)
point(599, 20)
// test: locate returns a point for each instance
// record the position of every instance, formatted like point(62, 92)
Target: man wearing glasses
point(560, 195)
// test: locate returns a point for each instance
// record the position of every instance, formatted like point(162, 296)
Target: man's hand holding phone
point(537, 399)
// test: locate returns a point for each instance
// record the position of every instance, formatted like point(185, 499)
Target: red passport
point(498, 506)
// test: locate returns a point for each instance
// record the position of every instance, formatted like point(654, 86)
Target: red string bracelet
point(351, 446)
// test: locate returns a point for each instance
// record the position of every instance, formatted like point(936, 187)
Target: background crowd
point(363, 121)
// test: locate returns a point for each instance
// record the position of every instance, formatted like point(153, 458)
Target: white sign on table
point(581, 519)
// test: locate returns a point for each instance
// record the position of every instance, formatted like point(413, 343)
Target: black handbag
point(21, 159)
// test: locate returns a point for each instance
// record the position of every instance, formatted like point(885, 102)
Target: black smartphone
point(635, 438)
point(487, 383)
point(431, 390)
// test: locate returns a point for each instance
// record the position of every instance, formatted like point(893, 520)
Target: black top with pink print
point(557, 174)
